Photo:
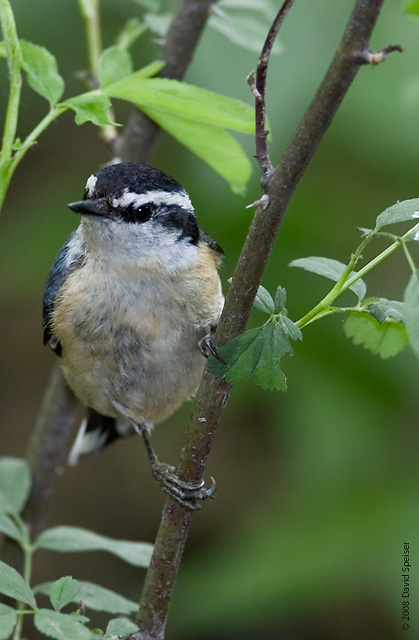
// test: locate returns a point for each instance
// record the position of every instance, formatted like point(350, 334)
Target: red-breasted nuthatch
point(130, 305)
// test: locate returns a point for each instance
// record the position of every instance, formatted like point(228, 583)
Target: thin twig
point(258, 89)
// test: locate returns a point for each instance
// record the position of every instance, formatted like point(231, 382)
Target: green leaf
point(61, 626)
point(411, 311)
point(132, 30)
point(257, 353)
point(120, 627)
point(151, 70)
point(15, 484)
point(383, 309)
point(90, 107)
point(399, 212)
point(184, 100)
point(8, 619)
point(212, 144)
point(268, 373)
point(114, 64)
point(75, 539)
point(263, 301)
point(245, 31)
point(290, 329)
point(280, 299)
point(412, 7)
point(332, 269)
point(42, 71)
point(13, 585)
point(96, 598)
point(8, 527)
point(64, 591)
point(385, 339)
point(240, 356)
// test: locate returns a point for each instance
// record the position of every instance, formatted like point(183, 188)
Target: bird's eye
point(139, 214)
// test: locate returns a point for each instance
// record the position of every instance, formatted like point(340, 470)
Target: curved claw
point(189, 494)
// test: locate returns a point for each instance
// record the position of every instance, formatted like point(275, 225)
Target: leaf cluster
point(66, 592)
point(201, 120)
point(384, 327)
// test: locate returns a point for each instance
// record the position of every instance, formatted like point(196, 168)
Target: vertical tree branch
point(213, 393)
point(48, 447)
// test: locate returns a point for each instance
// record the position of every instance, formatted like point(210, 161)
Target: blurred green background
point(318, 488)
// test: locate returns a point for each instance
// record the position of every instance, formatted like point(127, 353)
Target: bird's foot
point(189, 494)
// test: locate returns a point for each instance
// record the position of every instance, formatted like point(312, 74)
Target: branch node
point(252, 84)
point(368, 56)
point(262, 202)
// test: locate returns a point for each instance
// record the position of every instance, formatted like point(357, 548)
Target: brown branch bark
point(213, 393)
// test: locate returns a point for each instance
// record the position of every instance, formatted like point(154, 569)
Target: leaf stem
point(8, 169)
point(14, 59)
point(345, 282)
point(89, 10)
point(28, 550)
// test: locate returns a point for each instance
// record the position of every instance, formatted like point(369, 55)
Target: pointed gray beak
point(89, 207)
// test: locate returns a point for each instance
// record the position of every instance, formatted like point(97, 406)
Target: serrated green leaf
point(95, 597)
point(213, 145)
point(280, 299)
point(90, 107)
point(8, 619)
point(268, 373)
point(412, 7)
point(385, 339)
point(290, 328)
point(184, 100)
point(383, 309)
point(132, 30)
point(75, 539)
point(245, 31)
point(15, 484)
point(399, 212)
point(61, 626)
point(411, 311)
point(256, 353)
point(240, 356)
point(114, 64)
point(64, 591)
point(120, 627)
point(332, 269)
point(42, 71)
point(263, 301)
point(13, 585)
point(8, 527)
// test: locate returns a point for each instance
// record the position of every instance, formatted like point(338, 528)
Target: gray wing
point(69, 258)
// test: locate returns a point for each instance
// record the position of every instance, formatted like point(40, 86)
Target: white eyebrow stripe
point(129, 198)
point(91, 184)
